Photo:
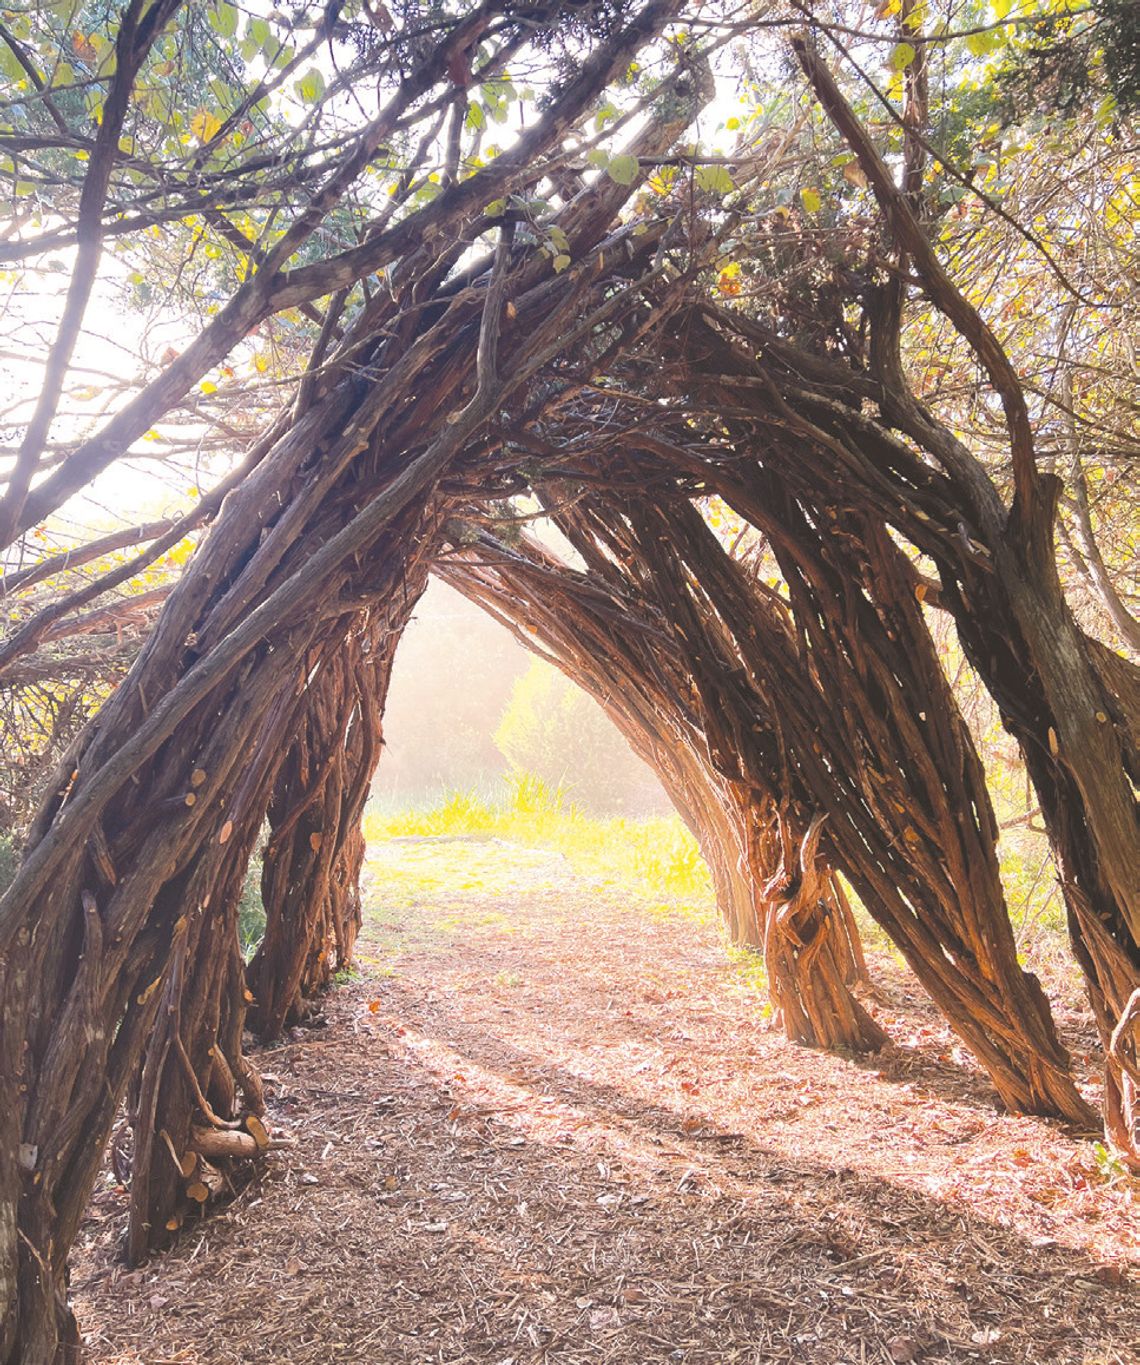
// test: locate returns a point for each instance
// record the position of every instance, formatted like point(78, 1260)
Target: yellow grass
point(656, 856)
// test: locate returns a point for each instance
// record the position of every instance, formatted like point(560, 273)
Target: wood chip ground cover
point(548, 1123)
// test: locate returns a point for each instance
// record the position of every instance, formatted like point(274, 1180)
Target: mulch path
point(549, 1124)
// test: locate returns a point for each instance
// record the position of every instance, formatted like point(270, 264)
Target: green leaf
point(224, 20)
point(311, 86)
point(622, 170)
point(260, 32)
point(10, 64)
point(561, 261)
point(475, 116)
point(901, 57)
point(604, 115)
point(715, 179)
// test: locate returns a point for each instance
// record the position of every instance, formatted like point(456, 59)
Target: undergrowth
point(654, 856)
point(9, 860)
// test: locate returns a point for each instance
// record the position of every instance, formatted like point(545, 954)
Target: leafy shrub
point(251, 911)
point(552, 731)
point(9, 860)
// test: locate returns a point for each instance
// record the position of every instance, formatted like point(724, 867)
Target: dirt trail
point(549, 1124)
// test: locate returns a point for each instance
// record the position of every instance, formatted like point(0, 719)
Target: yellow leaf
point(811, 200)
point(208, 387)
point(204, 125)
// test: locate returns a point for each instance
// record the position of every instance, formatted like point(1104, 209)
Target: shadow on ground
point(556, 1129)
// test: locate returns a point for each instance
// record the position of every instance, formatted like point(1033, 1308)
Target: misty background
point(469, 708)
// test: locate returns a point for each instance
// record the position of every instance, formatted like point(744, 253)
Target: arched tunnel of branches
point(806, 733)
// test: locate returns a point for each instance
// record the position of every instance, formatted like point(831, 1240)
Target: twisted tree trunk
point(310, 883)
point(836, 697)
point(811, 953)
point(303, 541)
point(610, 642)
point(1072, 705)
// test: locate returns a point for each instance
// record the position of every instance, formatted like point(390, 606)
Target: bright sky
point(124, 343)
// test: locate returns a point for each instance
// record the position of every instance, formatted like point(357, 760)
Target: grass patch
point(748, 964)
point(654, 858)
point(9, 861)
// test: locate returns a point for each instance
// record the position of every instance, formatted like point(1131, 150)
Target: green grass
point(748, 968)
point(656, 857)
point(9, 860)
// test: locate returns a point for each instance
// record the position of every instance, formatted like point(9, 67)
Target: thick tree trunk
point(329, 515)
point(865, 729)
point(810, 955)
point(1077, 734)
point(194, 1074)
point(1070, 703)
point(310, 884)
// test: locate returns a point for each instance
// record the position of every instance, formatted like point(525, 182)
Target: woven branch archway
point(617, 392)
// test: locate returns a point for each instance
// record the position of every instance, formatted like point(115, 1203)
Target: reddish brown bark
point(310, 883)
point(305, 539)
point(619, 651)
point(998, 579)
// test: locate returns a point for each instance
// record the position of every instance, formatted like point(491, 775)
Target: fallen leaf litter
point(546, 1125)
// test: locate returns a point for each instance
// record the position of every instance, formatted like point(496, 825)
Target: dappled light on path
point(548, 1122)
